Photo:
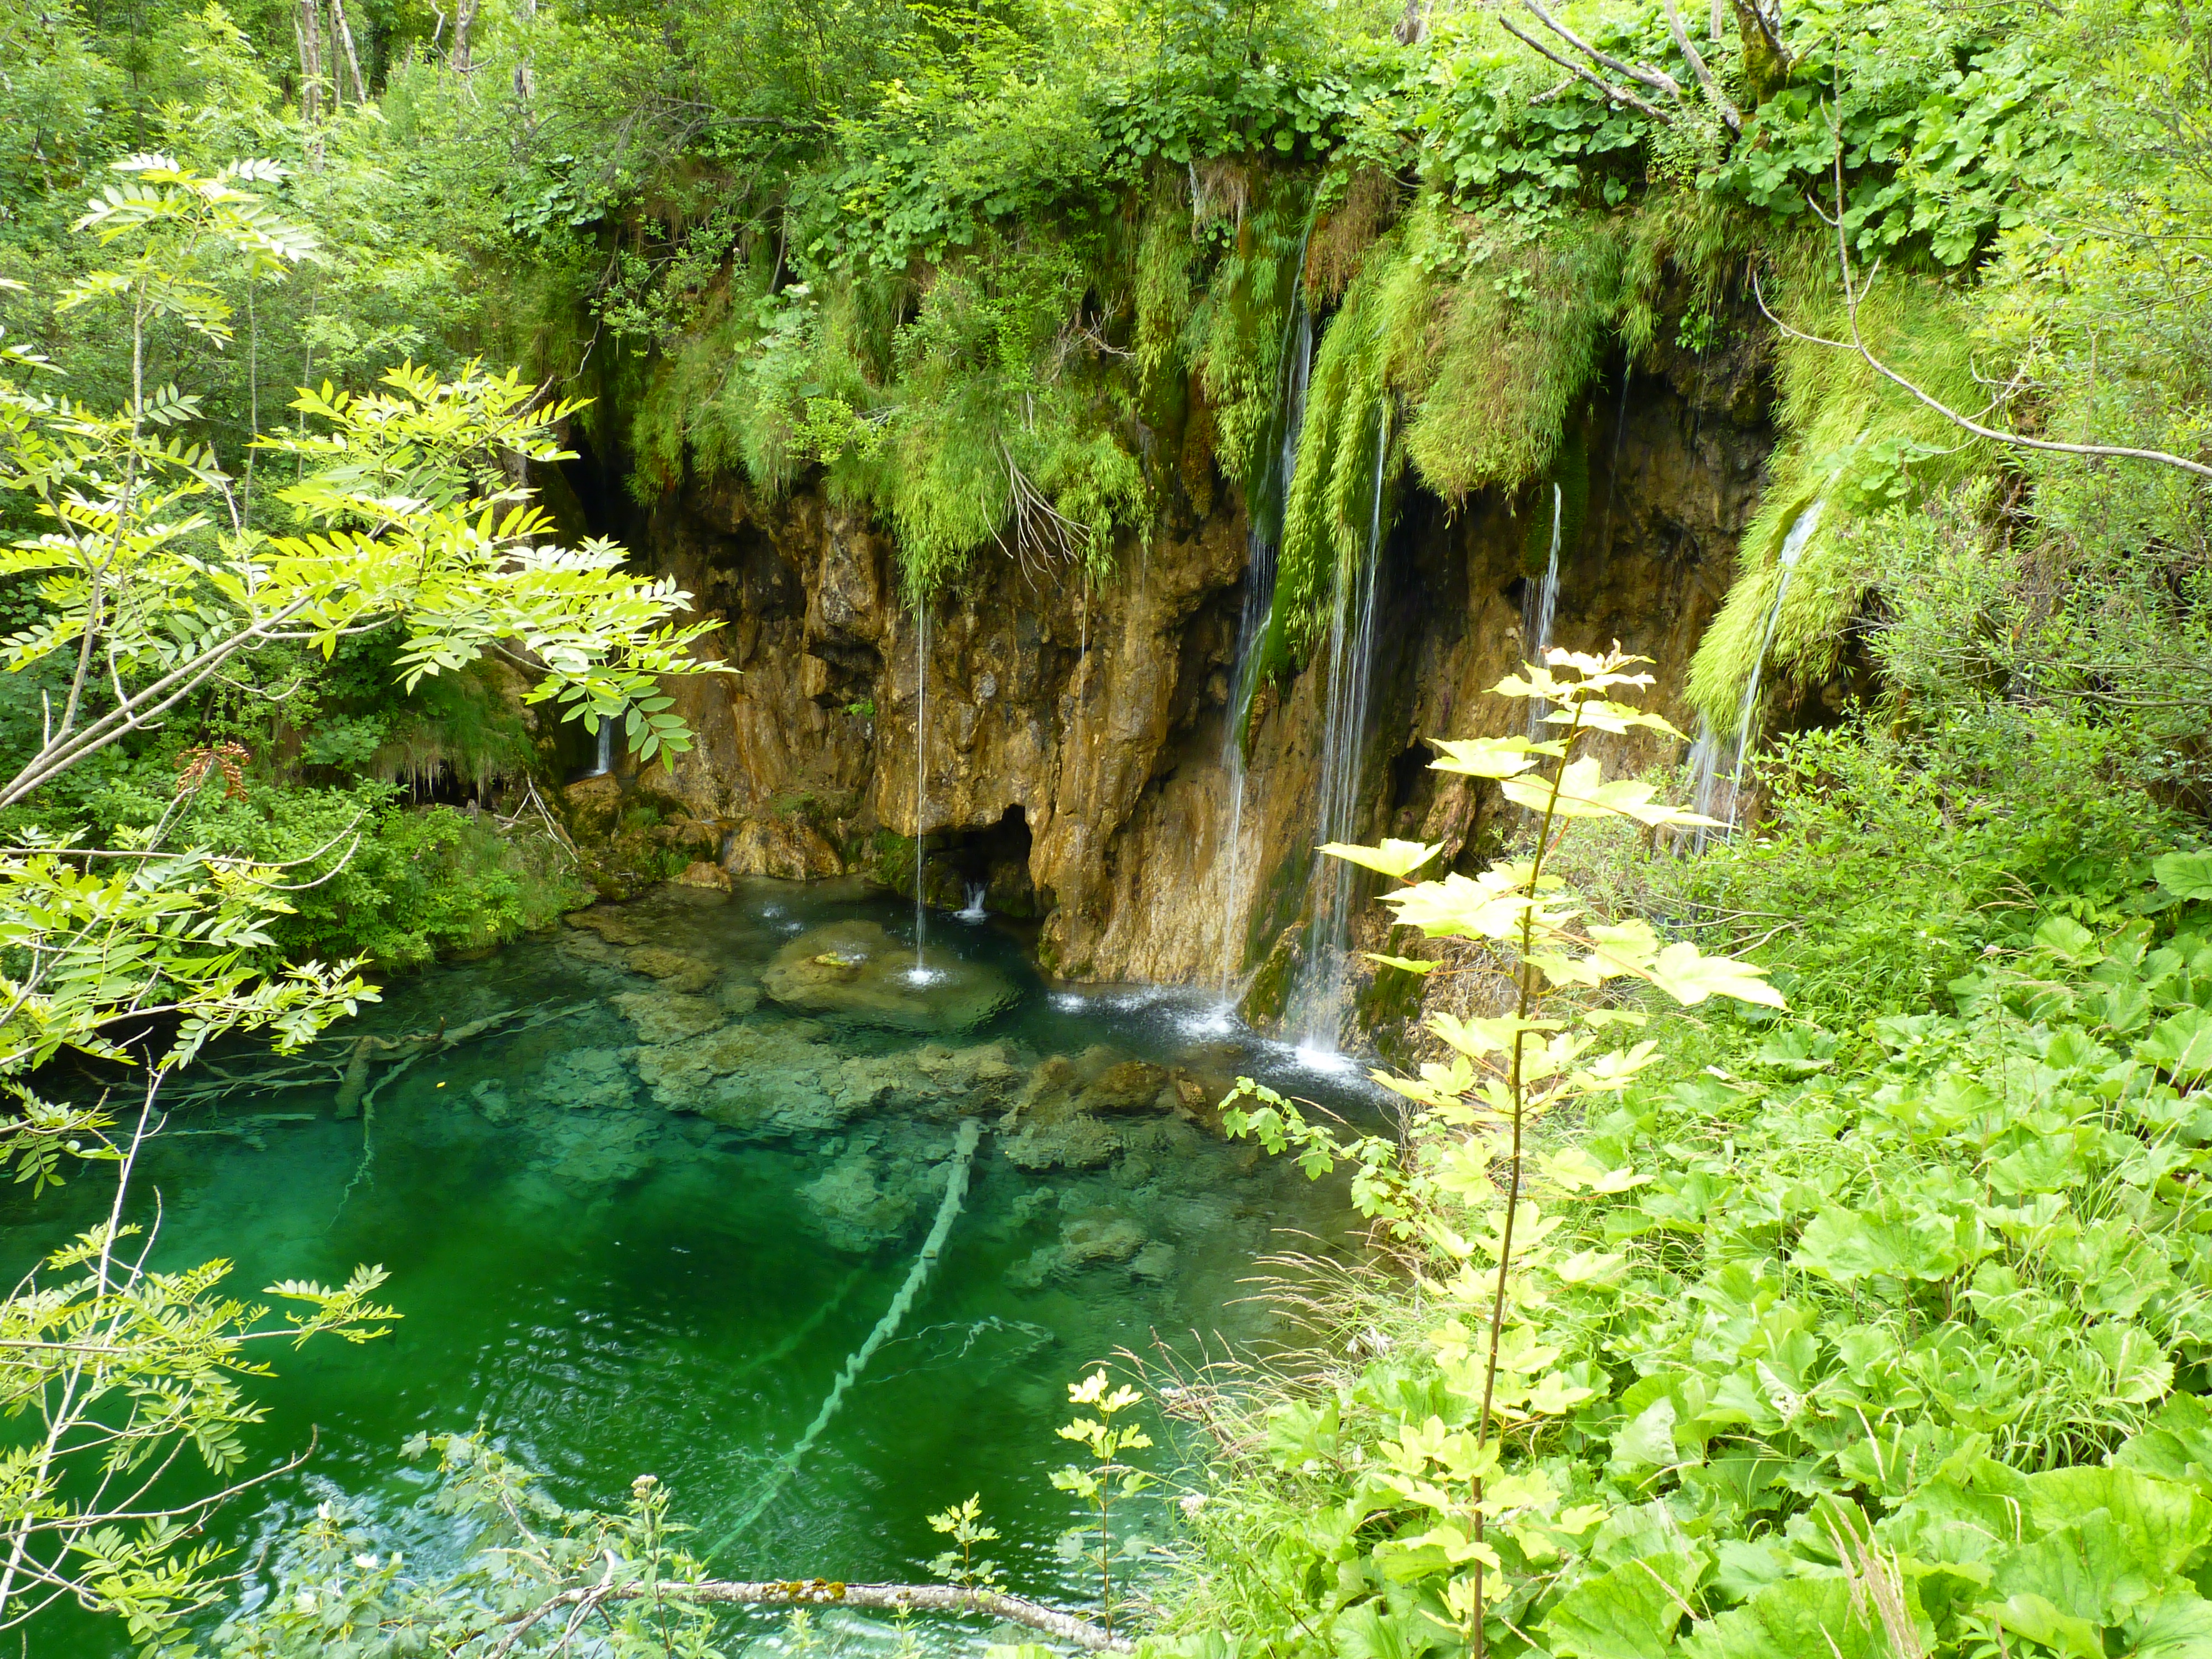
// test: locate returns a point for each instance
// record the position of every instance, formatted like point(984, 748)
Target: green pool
point(638, 1220)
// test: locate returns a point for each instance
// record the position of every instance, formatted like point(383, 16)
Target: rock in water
point(855, 970)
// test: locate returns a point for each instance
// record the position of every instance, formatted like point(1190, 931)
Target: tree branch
point(883, 1598)
point(1657, 80)
point(1854, 293)
point(1727, 110)
point(1616, 94)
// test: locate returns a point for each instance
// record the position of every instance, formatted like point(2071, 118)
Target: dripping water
point(1320, 993)
point(1263, 541)
point(1538, 629)
point(1612, 467)
point(920, 780)
point(1704, 756)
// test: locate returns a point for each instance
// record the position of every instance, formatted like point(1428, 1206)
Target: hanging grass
point(1510, 349)
point(1851, 443)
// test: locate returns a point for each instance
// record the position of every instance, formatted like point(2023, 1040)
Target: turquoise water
point(642, 1234)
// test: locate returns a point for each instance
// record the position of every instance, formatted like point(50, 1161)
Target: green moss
point(1570, 473)
point(1853, 445)
point(1506, 351)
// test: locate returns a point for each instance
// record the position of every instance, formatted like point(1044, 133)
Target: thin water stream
point(651, 1235)
point(1317, 999)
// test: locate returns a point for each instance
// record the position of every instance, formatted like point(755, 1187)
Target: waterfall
point(974, 912)
point(605, 763)
point(1263, 540)
point(1320, 994)
point(1705, 756)
point(921, 776)
point(1538, 634)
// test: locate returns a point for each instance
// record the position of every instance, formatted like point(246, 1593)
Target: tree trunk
point(352, 58)
point(464, 17)
point(308, 27)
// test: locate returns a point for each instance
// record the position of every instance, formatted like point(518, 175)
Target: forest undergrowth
point(1874, 1324)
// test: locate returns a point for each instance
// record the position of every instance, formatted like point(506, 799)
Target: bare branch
point(1657, 80)
point(1616, 94)
point(1727, 110)
point(1854, 293)
point(885, 1598)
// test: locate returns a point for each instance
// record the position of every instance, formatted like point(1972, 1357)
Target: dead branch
point(1854, 293)
point(1657, 80)
point(829, 1593)
point(1616, 94)
point(1728, 112)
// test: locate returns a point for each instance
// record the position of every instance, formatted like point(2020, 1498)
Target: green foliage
point(122, 1372)
point(520, 1566)
point(1106, 1477)
point(964, 1523)
point(1876, 1325)
point(1853, 448)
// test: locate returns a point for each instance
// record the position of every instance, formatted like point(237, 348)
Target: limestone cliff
point(1073, 754)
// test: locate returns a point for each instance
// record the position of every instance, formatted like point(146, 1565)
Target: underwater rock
point(859, 1206)
point(1155, 1261)
point(490, 1097)
point(675, 969)
point(610, 923)
point(663, 1016)
point(1047, 1093)
point(581, 1152)
point(855, 970)
point(1088, 1241)
point(583, 1079)
point(1073, 1143)
point(770, 1079)
point(977, 1079)
point(739, 997)
point(1131, 1086)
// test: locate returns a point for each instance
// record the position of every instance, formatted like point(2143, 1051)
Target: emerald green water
point(643, 1236)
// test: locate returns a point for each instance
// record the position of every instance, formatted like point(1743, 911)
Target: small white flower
point(367, 1563)
point(1192, 1503)
point(304, 1601)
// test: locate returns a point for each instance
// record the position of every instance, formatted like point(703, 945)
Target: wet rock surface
point(855, 970)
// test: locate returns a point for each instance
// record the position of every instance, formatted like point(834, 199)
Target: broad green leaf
point(1822, 1617)
point(1689, 976)
point(1582, 792)
point(1404, 964)
point(2185, 875)
point(2175, 1626)
point(1629, 1613)
point(1392, 857)
point(1492, 757)
point(2180, 1046)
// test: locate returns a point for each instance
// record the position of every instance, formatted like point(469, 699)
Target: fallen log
point(831, 1593)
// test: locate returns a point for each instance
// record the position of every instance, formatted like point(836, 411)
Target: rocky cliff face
point(1072, 742)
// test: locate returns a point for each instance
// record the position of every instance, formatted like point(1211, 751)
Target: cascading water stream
point(605, 763)
point(1263, 541)
point(974, 911)
point(1539, 631)
point(1705, 756)
point(1320, 994)
point(921, 781)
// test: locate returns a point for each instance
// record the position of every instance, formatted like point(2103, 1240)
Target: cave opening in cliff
point(989, 867)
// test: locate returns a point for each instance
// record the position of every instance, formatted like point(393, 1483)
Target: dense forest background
point(1873, 1312)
